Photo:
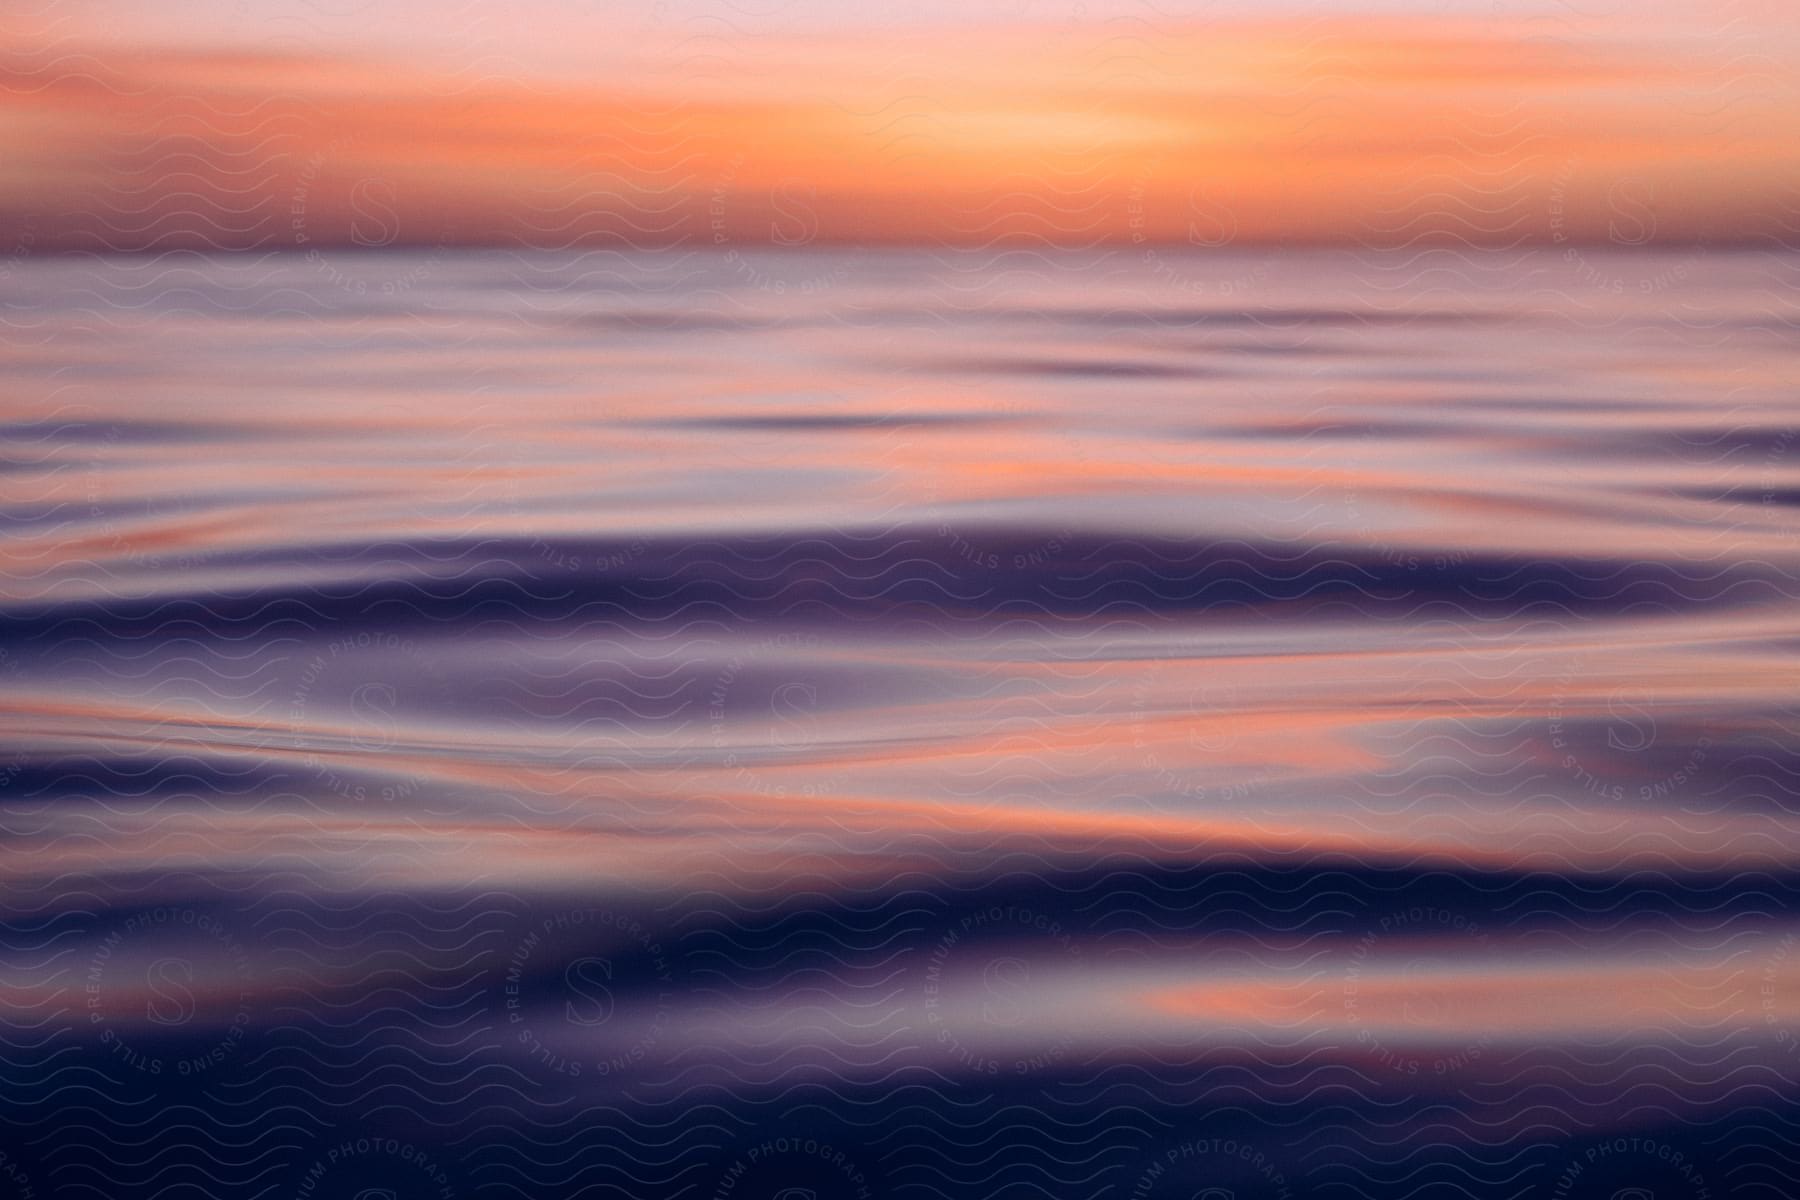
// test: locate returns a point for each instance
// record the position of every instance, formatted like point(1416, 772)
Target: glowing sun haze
point(247, 124)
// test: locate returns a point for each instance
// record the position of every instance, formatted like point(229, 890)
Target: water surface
point(901, 724)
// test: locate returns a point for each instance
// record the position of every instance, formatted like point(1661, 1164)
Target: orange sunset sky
point(134, 125)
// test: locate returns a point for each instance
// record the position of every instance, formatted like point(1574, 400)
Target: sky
point(247, 124)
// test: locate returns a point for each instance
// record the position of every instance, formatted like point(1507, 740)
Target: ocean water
point(889, 724)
